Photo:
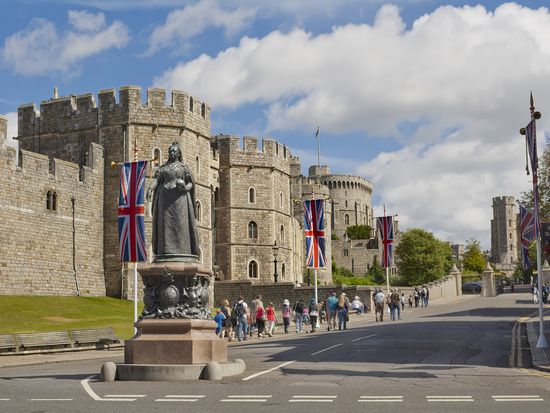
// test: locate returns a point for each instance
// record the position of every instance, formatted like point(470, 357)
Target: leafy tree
point(474, 259)
point(376, 272)
point(422, 258)
point(359, 232)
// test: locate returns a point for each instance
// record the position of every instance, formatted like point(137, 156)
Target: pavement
point(540, 356)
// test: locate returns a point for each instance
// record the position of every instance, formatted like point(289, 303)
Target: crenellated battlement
point(77, 112)
point(269, 147)
point(35, 164)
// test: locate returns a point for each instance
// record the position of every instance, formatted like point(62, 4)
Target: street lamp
point(275, 249)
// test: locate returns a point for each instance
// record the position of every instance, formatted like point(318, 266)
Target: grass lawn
point(29, 314)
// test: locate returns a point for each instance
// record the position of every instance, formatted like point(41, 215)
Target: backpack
point(299, 307)
point(239, 310)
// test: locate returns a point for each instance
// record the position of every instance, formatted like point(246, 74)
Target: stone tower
point(66, 126)
point(253, 210)
point(504, 251)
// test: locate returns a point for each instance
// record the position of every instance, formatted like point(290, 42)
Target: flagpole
point(135, 263)
point(387, 268)
point(318, 134)
point(541, 342)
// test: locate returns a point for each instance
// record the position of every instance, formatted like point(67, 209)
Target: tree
point(474, 260)
point(359, 232)
point(377, 272)
point(422, 258)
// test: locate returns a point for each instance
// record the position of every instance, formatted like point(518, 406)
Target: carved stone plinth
point(175, 290)
point(177, 341)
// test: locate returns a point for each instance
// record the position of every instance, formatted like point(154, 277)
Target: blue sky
point(422, 97)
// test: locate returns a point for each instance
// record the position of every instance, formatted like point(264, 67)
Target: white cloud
point(182, 25)
point(40, 48)
point(452, 89)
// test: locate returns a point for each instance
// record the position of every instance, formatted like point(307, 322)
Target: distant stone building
point(458, 252)
point(504, 241)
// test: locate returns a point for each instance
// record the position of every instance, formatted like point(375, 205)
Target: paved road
point(445, 358)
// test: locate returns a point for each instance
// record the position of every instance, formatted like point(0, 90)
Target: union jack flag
point(385, 226)
point(131, 212)
point(314, 230)
point(527, 234)
point(531, 140)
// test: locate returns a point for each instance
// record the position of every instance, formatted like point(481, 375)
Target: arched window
point(253, 269)
point(203, 110)
point(282, 234)
point(346, 219)
point(252, 230)
point(346, 253)
point(199, 211)
point(339, 184)
point(198, 166)
point(251, 195)
point(281, 199)
point(191, 104)
point(283, 270)
point(157, 156)
point(51, 201)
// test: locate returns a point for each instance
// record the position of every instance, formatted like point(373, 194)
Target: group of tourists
point(394, 303)
point(241, 321)
point(545, 293)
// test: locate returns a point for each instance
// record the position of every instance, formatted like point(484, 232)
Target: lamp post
point(275, 249)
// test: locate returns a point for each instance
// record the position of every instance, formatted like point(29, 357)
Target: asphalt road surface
point(463, 356)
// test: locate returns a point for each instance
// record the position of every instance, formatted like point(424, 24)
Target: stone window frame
point(252, 230)
point(281, 199)
point(346, 203)
point(252, 268)
point(156, 163)
point(198, 165)
point(251, 195)
point(283, 270)
point(51, 200)
point(203, 110)
point(282, 235)
point(346, 253)
point(199, 210)
point(346, 219)
point(191, 104)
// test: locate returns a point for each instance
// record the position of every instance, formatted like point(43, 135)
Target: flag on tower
point(131, 212)
point(527, 234)
point(314, 231)
point(385, 226)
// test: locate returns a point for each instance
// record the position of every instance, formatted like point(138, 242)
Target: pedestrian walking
point(271, 319)
point(410, 301)
point(299, 314)
point(260, 320)
point(240, 309)
point(403, 301)
point(257, 302)
point(342, 309)
point(332, 303)
point(416, 297)
point(226, 310)
point(286, 315)
point(378, 298)
point(219, 318)
point(313, 314)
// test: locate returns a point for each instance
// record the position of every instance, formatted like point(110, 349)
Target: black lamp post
point(275, 249)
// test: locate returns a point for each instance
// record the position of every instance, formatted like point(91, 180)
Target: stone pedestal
point(489, 285)
point(175, 341)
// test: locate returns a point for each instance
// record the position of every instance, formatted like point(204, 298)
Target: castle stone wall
point(66, 126)
point(36, 252)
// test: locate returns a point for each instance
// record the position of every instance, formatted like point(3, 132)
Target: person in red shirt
point(271, 319)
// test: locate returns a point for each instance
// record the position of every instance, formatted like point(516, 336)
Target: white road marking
point(380, 399)
point(4, 400)
point(326, 349)
point(176, 400)
point(362, 338)
point(95, 396)
point(312, 399)
point(518, 398)
point(268, 371)
point(449, 398)
point(247, 398)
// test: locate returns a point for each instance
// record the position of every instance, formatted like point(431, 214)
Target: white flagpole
point(135, 297)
